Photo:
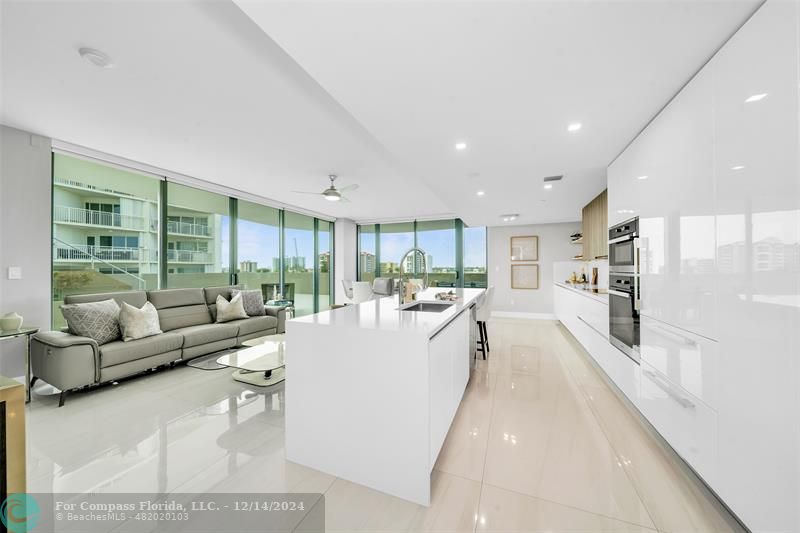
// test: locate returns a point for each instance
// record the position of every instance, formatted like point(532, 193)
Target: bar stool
point(483, 312)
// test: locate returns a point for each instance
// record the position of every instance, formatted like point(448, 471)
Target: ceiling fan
point(332, 194)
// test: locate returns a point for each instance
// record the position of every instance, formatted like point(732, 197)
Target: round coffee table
point(260, 363)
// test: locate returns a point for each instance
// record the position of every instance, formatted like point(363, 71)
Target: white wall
point(24, 236)
point(344, 257)
point(554, 245)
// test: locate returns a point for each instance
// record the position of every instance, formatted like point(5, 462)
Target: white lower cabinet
point(688, 360)
point(449, 373)
point(587, 319)
point(672, 362)
point(688, 424)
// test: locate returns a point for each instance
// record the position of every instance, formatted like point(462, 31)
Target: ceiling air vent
point(553, 178)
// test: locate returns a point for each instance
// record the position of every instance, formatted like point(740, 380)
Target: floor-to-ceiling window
point(298, 261)
point(475, 274)
point(258, 248)
point(324, 264)
point(438, 239)
point(198, 237)
point(109, 224)
point(367, 252)
point(455, 255)
point(105, 229)
point(395, 241)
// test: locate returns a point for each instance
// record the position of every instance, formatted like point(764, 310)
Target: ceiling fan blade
point(344, 200)
point(305, 192)
point(346, 188)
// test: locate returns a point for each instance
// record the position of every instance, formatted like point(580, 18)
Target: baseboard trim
point(517, 314)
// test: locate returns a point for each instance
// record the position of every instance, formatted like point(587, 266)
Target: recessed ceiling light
point(642, 178)
point(548, 186)
point(575, 126)
point(756, 98)
point(96, 57)
point(509, 217)
point(737, 167)
point(461, 146)
point(480, 193)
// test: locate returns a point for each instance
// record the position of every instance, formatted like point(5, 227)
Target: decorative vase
point(10, 321)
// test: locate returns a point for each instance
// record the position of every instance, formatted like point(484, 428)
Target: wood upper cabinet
point(595, 227)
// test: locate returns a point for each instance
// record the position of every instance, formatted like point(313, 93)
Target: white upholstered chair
point(482, 315)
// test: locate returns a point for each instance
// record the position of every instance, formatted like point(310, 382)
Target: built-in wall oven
point(623, 246)
point(624, 295)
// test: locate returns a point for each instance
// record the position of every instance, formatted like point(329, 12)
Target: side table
point(24, 331)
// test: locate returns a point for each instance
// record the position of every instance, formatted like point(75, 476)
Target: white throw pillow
point(138, 323)
point(233, 310)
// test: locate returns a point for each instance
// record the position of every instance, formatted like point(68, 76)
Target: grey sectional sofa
point(187, 318)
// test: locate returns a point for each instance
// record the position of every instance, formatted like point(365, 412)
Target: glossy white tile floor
point(540, 443)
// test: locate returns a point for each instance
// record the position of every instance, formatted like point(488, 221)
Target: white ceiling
point(379, 92)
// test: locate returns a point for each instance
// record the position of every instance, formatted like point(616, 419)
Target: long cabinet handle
point(619, 293)
point(594, 328)
point(667, 388)
point(664, 332)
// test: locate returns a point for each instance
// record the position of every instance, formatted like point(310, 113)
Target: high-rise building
point(248, 266)
point(367, 262)
point(291, 263)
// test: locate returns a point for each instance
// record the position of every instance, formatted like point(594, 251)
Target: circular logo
point(19, 513)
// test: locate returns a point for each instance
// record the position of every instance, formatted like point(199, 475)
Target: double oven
point(624, 295)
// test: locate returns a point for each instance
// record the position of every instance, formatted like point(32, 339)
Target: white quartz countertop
point(384, 313)
point(600, 297)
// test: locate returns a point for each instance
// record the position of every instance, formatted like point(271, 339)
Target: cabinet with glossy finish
point(688, 424)
point(719, 216)
point(689, 361)
point(758, 267)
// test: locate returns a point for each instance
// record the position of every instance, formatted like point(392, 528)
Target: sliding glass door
point(438, 239)
point(367, 252)
point(475, 273)
point(198, 237)
point(258, 248)
point(323, 266)
point(298, 262)
point(395, 241)
point(105, 229)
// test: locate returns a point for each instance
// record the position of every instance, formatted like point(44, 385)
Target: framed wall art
point(525, 248)
point(525, 276)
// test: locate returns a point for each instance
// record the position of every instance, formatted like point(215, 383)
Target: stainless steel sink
point(427, 307)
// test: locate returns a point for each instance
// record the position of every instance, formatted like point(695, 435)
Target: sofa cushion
point(233, 310)
point(167, 298)
point(138, 323)
point(211, 293)
point(255, 324)
point(180, 308)
point(134, 298)
point(118, 352)
point(96, 320)
point(252, 300)
point(204, 334)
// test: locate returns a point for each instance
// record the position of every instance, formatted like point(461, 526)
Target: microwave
point(623, 247)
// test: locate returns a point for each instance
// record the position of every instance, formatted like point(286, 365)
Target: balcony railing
point(89, 217)
point(84, 252)
point(185, 256)
point(185, 228)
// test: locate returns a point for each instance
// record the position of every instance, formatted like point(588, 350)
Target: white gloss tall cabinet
point(714, 180)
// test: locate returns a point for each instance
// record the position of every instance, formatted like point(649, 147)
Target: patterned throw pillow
point(138, 323)
point(96, 320)
point(253, 302)
point(227, 311)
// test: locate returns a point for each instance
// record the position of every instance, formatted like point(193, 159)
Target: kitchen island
point(371, 390)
